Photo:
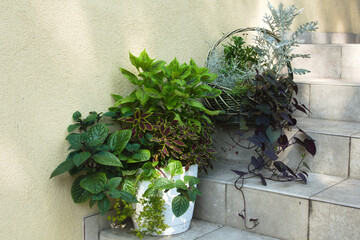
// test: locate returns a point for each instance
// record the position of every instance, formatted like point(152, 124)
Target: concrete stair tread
point(346, 193)
point(320, 187)
point(355, 82)
point(329, 127)
point(201, 230)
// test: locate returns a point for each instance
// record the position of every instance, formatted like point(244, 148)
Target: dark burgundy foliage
point(270, 113)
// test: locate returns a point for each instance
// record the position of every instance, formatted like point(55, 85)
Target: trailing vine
point(259, 80)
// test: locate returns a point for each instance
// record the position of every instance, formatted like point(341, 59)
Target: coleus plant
point(164, 113)
point(166, 117)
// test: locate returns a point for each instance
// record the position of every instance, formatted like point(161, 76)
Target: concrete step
point(327, 207)
point(329, 60)
point(199, 229)
point(337, 142)
point(334, 99)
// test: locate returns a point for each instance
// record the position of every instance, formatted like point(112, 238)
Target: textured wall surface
point(61, 56)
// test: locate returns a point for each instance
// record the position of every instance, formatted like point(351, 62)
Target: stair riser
point(325, 60)
point(329, 221)
point(274, 211)
point(333, 102)
point(355, 157)
point(281, 216)
point(329, 61)
point(332, 156)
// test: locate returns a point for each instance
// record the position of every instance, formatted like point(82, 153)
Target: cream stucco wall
point(61, 56)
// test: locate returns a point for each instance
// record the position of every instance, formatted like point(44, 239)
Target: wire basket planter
point(232, 105)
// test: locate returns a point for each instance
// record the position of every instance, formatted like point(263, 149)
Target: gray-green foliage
point(276, 55)
point(272, 55)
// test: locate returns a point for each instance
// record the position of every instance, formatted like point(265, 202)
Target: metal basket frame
point(227, 102)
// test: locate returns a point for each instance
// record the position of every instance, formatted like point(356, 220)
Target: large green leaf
point(112, 140)
point(180, 184)
point(97, 134)
point(179, 71)
point(114, 182)
point(79, 194)
point(103, 205)
point(129, 186)
point(142, 155)
point(124, 195)
point(91, 118)
point(72, 127)
point(157, 66)
point(98, 196)
point(122, 139)
point(163, 183)
point(150, 192)
point(145, 61)
point(153, 93)
point(179, 205)
point(208, 77)
point(134, 61)
point(80, 158)
point(76, 116)
point(175, 168)
point(65, 166)
point(94, 183)
point(128, 99)
point(130, 76)
point(191, 180)
point(194, 103)
point(117, 97)
point(108, 159)
point(205, 91)
point(212, 113)
point(148, 169)
point(75, 141)
point(142, 96)
point(121, 156)
point(181, 94)
point(192, 80)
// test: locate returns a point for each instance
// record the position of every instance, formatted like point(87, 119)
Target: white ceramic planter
point(176, 224)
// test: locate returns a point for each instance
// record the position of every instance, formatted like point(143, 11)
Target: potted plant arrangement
point(258, 93)
point(150, 164)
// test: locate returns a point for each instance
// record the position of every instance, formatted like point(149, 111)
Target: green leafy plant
point(151, 219)
point(164, 113)
point(165, 116)
point(94, 159)
point(123, 211)
point(162, 128)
